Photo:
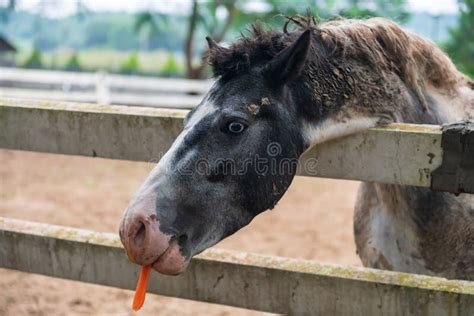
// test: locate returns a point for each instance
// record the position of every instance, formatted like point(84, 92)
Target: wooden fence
point(400, 154)
point(102, 88)
point(265, 283)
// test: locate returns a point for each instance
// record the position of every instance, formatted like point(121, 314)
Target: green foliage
point(114, 31)
point(144, 19)
point(149, 31)
point(131, 65)
point(151, 62)
point(461, 46)
point(171, 67)
point(92, 30)
point(34, 60)
point(151, 27)
point(325, 9)
point(73, 63)
point(395, 9)
point(6, 9)
point(152, 30)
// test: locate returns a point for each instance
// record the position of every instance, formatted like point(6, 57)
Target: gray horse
point(297, 89)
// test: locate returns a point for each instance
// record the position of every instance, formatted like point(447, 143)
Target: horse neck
point(438, 107)
point(422, 205)
point(370, 100)
point(449, 107)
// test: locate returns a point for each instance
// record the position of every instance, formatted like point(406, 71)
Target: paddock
point(406, 154)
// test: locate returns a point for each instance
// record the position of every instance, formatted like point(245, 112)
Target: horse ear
point(289, 63)
point(211, 43)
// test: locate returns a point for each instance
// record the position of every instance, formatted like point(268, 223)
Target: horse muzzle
point(146, 244)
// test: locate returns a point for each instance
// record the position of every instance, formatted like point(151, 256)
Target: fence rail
point(259, 282)
point(103, 88)
point(398, 154)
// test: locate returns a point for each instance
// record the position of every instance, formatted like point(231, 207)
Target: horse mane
point(377, 42)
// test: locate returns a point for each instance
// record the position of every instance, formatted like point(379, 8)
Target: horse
point(296, 88)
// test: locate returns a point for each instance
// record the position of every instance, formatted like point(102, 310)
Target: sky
point(59, 8)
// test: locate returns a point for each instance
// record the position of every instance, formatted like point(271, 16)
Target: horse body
point(415, 229)
point(398, 227)
point(298, 89)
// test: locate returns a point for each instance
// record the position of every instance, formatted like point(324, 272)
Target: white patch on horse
point(395, 240)
point(385, 233)
point(316, 133)
point(204, 109)
point(453, 108)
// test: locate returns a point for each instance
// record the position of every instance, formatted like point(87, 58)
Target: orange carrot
point(140, 291)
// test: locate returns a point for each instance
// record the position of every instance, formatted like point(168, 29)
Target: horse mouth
point(171, 261)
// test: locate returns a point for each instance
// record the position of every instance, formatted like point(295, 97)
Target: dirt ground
point(314, 217)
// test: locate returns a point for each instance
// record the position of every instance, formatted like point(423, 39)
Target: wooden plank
point(118, 81)
point(160, 84)
point(397, 154)
point(38, 94)
point(121, 132)
point(46, 76)
point(162, 101)
point(238, 279)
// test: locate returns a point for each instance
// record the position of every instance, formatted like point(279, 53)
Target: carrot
point(140, 291)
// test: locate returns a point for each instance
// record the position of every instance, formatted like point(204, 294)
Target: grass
point(150, 63)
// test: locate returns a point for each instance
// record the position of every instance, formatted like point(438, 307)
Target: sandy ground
point(314, 217)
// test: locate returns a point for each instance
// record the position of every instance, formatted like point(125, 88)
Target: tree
point(34, 60)
point(395, 9)
point(220, 18)
point(73, 63)
point(7, 9)
point(131, 65)
point(213, 18)
point(150, 24)
point(171, 68)
point(461, 45)
point(206, 16)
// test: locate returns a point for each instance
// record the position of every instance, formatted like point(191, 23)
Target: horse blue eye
point(235, 127)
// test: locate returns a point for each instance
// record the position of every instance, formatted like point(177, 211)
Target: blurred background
point(150, 53)
point(166, 38)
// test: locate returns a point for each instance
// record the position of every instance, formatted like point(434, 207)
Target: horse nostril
point(140, 235)
point(182, 239)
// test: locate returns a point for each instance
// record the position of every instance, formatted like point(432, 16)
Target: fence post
point(102, 87)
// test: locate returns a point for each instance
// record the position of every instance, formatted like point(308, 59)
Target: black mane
point(257, 48)
point(378, 43)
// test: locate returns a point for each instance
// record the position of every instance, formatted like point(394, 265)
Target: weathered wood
point(103, 88)
point(397, 154)
point(121, 132)
point(251, 281)
point(46, 76)
point(116, 81)
point(160, 101)
point(403, 154)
